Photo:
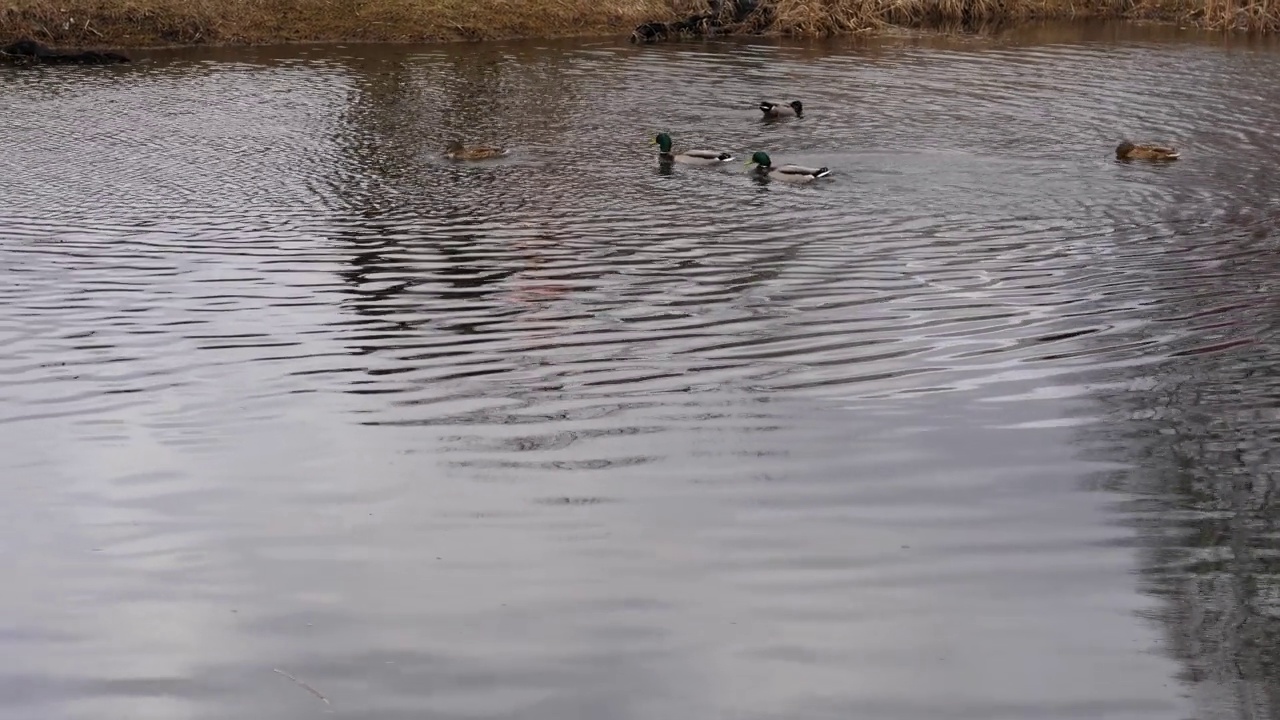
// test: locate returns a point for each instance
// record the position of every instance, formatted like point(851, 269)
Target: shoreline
point(155, 24)
point(175, 24)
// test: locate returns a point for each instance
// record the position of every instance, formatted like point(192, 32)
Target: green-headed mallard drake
point(789, 173)
point(688, 157)
point(773, 110)
point(458, 151)
point(1128, 151)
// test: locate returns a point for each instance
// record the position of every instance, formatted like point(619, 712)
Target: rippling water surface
point(983, 426)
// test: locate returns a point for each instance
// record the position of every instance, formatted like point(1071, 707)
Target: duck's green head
point(760, 158)
point(663, 141)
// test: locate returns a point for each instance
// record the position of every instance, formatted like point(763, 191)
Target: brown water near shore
point(982, 426)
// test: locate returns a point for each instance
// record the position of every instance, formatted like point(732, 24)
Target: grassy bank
point(140, 23)
point(830, 17)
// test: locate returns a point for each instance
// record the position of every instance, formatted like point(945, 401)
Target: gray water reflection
point(981, 428)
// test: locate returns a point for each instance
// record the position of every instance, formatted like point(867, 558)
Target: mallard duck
point(773, 110)
point(789, 173)
point(1128, 151)
point(458, 151)
point(688, 157)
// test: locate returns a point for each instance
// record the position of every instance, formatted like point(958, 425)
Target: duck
point(1128, 151)
point(688, 157)
point(458, 151)
point(773, 110)
point(788, 173)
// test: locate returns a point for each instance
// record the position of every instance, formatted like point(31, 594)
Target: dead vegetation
point(816, 18)
point(136, 23)
point(141, 23)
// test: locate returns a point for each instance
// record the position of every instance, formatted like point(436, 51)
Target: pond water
point(984, 425)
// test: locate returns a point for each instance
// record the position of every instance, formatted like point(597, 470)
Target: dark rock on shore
point(726, 16)
point(30, 52)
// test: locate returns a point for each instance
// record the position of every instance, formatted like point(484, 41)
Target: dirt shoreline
point(135, 24)
point(146, 24)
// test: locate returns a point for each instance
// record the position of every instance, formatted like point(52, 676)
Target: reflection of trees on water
point(484, 236)
point(1200, 428)
point(1207, 454)
point(1201, 431)
point(405, 207)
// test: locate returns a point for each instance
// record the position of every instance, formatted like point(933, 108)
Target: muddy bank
point(115, 24)
point(29, 52)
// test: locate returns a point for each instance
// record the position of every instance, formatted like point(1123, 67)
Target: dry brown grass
point(817, 18)
point(811, 18)
point(138, 23)
point(1233, 15)
point(134, 23)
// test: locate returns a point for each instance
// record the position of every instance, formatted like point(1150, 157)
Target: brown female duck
point(458, 151)
point(1128, 151)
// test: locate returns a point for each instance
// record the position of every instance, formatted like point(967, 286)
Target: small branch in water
point(307, 687)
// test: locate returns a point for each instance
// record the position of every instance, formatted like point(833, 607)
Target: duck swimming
point(774, 110)
point(1128, 151)
point(688, 157)
point(787, 173)
point(458, 151)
